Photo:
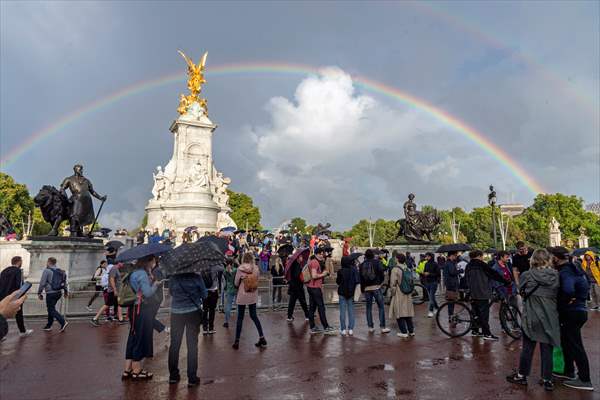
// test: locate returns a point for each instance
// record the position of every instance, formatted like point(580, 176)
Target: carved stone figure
point(160, 184)
point(82, 211)
point(219, 186)
point(555, 234)
point(54, 206)
point(198, 176)
point(416, 225)
point(6, 226)
point(322, 229)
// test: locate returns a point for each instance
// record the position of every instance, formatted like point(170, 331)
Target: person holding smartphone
point(11, 279)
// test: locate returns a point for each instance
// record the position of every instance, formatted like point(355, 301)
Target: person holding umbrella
point(293, 272)
point(139, 340)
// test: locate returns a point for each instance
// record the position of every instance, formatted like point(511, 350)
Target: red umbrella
point(304, 252)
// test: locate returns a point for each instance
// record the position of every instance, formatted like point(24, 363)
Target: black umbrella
point(190, 229)
point(286, 249)
point(491, 250)
point(582, 251)
point(142, 251)
point(114, 244)
point(239, 231)
point(447, 248)
point(191, 257)
point(354, 256)
point(222, 244)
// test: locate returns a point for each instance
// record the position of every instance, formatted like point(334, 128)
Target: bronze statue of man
point(82, 207)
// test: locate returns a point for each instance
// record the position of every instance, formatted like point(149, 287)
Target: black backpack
point(58, 280)
point(367, 272)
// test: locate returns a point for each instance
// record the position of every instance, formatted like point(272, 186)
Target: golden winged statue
point(194, 84)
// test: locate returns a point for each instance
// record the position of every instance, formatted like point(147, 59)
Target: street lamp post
point(492, 203)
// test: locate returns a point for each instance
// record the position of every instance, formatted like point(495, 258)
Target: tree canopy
point(15, 202)
point(244, 212)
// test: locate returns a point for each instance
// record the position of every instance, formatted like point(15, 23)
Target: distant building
point(593, 207)
point(512, 210)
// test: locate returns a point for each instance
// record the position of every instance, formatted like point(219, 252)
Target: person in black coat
point(431, 278)
point(11, 279)
point(451, 277)
point(296, 289)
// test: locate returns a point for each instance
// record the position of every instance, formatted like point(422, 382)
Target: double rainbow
point(365, 83)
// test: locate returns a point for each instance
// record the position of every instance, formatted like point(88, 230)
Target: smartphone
point(23, 290)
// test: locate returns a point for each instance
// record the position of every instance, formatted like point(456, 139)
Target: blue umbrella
point(143, 250)
point(229, 229)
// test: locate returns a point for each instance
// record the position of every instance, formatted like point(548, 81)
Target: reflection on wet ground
point(86, 362)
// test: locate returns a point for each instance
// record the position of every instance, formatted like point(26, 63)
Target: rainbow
point(283, 68)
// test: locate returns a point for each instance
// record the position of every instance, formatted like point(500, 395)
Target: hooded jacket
point(347, 278)
point(243, 297)
point(451, 275)
point(187, 292)
point(478, 275)
point(540, 315)
point(574, 288)
point(592, 269)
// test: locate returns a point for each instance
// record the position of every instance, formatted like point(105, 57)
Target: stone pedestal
point(413, 249)
point(11, 248)
point(78, 257)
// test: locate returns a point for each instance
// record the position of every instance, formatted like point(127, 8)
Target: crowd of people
point(549, 286)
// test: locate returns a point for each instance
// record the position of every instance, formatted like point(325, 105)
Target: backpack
point(367, 272)
point(127, 295)
point(251, 283)
point(58, 280)
point(306, 275)
point(407, 285)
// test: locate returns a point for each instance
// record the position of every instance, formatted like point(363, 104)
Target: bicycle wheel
point(510, 319)
point(418, 294)
point(456, 324)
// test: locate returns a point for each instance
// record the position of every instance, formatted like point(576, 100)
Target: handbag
point(451, 295)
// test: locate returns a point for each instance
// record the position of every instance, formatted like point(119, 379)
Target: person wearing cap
point(572, 315)
point(315, 293)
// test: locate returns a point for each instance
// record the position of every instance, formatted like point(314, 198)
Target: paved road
point(86, 362)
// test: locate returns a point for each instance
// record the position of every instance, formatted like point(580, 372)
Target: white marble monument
point(583, 239)
point(190, 191)
point(555, 234)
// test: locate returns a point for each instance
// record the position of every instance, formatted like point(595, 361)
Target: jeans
point(20, 320)
point(297, 294)
point(264, 266)
point(571, 323)
point(241, 308)
point(346, 307)
point(431, 290)
point(481, 314)
point(229, 300)
point(527, 356)
point(53, 314)
point(405, 324)
point(158, 326)
point(378, 297)
point(315, 298)
point(210, 305)
point(190, 322)
point(277, 294)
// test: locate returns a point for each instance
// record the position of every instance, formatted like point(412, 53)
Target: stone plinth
point(78, 257)
point(11, 248)
point(413, 249)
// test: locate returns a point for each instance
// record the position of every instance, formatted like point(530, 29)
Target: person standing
point(230, 289)
point(347, 280)
point(371, 279)
point(592, 269)
point(520, 260)
point(187, 292)
point(296, 286)
point(572, 315)
point(431, 277)
point(11, 279)
point(53, 282)
point(111, 300)
point(246, 280)
point(451, 280)
point(479, 274)
point(140, 340)
point(315, 293)
point(211, 282)
point(502, 266)
point(539, 321)
point(97, 279)
point(278, 279)
point(401, 305)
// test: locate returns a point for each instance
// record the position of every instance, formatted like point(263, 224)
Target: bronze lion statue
point(54, 205)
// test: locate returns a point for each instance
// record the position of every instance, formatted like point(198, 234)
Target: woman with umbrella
point(293, 272)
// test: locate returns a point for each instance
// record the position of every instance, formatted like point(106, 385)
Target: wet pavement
point(86, 363)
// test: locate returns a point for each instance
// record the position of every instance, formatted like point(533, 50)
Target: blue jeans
point(264, 266)
point(229, 300)
point(346, 307)
point(369, 296)
point(53, 314)
point(431, 289)
point(241, 308)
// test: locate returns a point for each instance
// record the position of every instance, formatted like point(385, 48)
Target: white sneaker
point(371, 330)
point(411, 334)
point(168, 330)
point(430, 314)
point(26, 333)
point(350, 332)
point(88, 308)
point(343, 332)
point(385, 330)
point(402, 335)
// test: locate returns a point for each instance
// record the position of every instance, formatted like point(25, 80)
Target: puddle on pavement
point(381, 367)
point(434, 362)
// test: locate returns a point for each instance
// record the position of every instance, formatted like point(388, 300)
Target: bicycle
point(418, 294)
point(461, 321)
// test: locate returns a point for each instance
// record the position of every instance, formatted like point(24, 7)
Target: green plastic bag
point(558, 362)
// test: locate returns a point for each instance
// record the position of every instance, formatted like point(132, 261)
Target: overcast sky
point(525, 74)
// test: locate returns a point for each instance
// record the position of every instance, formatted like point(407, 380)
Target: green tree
point(384, 231)
point(299, 224)
point(15, 202)
point(569, 211)
point(244, 212)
